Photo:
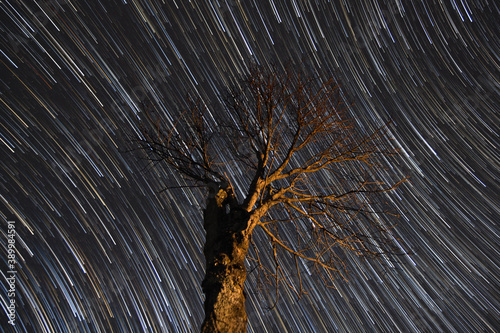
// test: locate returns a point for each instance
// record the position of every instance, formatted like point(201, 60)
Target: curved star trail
point(99, 250)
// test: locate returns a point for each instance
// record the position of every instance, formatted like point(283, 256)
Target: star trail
point(99, 247)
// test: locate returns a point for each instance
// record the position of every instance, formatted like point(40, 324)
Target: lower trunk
point(225, 249)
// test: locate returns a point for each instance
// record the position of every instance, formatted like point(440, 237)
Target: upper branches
point(186, 145)
point(296, 126)
point(314, 182)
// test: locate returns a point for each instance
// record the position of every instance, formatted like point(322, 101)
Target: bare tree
point(284, 158)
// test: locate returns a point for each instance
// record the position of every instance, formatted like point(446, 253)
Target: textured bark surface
point(225, 249)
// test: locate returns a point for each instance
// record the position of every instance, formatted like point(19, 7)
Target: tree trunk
point(225, 249)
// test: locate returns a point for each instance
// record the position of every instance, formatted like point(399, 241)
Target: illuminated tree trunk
point(225, 249)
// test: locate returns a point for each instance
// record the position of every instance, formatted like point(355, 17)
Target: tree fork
point(225, 249)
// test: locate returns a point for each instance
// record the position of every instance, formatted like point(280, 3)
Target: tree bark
point(225, 249)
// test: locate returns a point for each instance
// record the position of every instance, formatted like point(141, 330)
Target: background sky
point(99, 250)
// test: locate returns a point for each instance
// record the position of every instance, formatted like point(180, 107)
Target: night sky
point(99, 250)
